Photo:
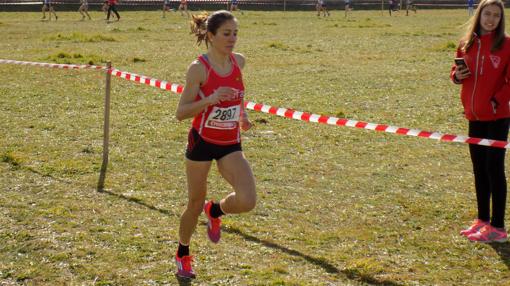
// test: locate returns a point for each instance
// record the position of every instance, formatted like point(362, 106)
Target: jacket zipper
point(476, 79)
point(481, 68)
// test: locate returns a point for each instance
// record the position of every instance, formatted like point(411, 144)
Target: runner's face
point(226, 37)
point(490, 18)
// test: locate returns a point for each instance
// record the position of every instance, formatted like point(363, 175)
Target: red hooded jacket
point(489, 80)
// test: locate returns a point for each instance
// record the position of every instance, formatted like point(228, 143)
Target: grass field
point(337, 206)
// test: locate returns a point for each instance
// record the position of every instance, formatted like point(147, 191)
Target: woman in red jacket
point(213, 96)
point(485, 95)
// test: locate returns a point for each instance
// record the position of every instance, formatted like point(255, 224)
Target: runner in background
point(104, 8)
point(184, 7)
point(47, 6)
point(392, 6)
point(166, 7)
point(84, 8)
point(234, 6)
point(321, 7)
point(348, 7)
point(471, 5)
point(112, 6)
point(410, 6)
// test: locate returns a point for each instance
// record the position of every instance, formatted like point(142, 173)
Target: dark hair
point(203, 23)
point(475, 27)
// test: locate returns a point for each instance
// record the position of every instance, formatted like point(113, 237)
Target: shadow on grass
point(183, 281)
point(320, 262)
point(503, 250)
point(323, 263)
point(136, 201)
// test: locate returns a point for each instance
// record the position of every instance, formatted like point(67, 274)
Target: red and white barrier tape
point(122, 74)
point(148, 81)
point(48, 65)
point(309, 117)
point(288, 113)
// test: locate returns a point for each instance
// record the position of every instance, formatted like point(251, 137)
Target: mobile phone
point(460, 62)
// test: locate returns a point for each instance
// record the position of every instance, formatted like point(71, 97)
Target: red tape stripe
point(289, 113)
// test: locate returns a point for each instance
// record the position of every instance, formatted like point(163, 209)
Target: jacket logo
point(495, 60)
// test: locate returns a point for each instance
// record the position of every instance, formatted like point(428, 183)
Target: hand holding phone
point(462, 70)
point(460, 62)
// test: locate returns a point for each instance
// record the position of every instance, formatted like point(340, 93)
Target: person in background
point(184, 7)
point(410, 6)
point(104, 8)
point(322, 7)
point(214, 97)
point(471, 5)
point(166, 7)
point(84, 8)
point(348, 7)
point(234, 6)
point(483, 70)
point(47, 6)
point(112, 6)
point(392, 6)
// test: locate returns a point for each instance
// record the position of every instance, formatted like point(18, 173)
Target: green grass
point(80, 38)
point(337, 205)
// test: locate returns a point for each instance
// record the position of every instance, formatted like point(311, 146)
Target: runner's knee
point(195, 206)
point(247, 202)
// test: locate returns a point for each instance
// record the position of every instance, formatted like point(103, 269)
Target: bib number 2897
point(223, 118)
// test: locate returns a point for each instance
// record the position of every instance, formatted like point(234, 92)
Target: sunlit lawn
point(337, 205)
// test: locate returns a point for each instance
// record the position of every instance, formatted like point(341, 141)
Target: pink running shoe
point(184, 269)
point(474, 228)
point(488, 233)
point(213, 224)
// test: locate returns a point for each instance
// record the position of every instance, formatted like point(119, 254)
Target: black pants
point(489, 170)
point(114, 9)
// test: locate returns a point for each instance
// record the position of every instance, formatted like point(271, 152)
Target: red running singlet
point(219, 123)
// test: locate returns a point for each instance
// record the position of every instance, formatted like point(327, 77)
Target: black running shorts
point(200, 150)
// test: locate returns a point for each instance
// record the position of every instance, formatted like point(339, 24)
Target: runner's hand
point(221, 94)
point(461, 72)
point(245, 123)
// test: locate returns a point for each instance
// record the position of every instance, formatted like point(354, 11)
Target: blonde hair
point(203, 23)
point(474, 27)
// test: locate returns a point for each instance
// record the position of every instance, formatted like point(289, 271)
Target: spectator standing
point(483, 70)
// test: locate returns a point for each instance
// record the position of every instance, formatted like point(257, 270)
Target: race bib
point(223, 117)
